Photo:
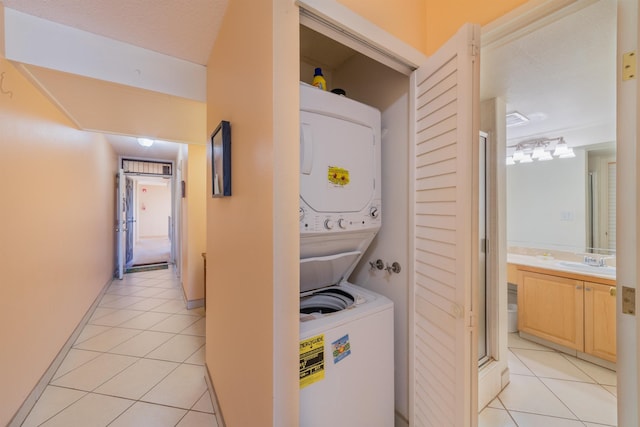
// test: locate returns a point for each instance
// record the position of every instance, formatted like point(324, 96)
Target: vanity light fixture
point(541, 149)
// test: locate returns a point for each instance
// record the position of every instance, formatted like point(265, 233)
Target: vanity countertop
point(550, 263)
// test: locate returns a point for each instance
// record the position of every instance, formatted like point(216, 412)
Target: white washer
point(346, 331)
point(357, 388)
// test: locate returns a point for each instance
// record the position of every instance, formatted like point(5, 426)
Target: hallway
point(151, 250)
point(138, 362)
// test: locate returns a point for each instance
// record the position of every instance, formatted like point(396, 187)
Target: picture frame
point(221, 160)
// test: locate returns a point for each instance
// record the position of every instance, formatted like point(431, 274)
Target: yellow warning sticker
point(338, 176)
point(311, 360)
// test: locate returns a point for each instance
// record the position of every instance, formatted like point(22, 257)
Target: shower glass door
point(483, 355)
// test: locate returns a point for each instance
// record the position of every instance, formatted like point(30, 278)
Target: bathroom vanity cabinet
point(573, 310)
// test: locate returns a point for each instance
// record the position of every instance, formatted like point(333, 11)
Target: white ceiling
point(128, 146)
point(562, 76)
point(185, 29)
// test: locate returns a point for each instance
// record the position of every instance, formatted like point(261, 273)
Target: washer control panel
point(318, 222)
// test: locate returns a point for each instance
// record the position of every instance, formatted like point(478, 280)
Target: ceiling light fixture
point(540, 149)
point(145, 142)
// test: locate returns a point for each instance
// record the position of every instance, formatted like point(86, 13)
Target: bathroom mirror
point(560, 90)
point(564, 204)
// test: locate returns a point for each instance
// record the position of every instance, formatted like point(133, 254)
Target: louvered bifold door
point(445, 218)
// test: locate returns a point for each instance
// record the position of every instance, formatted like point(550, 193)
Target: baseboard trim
point(191, 303)
point(400, 420)
point(195, 303)
point(578, 354)
point(31, 400)
point(214, 398)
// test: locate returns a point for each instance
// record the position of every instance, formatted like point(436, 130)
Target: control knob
point(342, 223)
point(374, 212)
point(328, 224)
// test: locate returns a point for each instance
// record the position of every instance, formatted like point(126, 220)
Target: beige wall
point(56, 233)
point(443, 18)
point(194, 224)
point(239, 332)
point(427, 24)
point(252, 240)
point(405, 19)
point(154, 209)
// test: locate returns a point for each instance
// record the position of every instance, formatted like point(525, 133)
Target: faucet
point(602, 263)
point(596, 262)
point(591, 260)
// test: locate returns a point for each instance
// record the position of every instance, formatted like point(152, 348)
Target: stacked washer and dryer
point(346, 331)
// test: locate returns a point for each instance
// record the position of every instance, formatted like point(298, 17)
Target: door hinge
point(629, 66)
point(628, 300)
point(474, 49)
point(473, 320)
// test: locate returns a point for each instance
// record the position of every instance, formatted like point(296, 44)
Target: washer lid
point(320, 272)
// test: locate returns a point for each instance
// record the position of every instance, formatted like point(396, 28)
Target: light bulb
point(569, 154)
point(518, 155)
point(526, 158)
point(545, 156)
point(561, 149)
point(538, 152)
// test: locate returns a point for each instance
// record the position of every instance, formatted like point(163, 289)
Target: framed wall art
point(221, 160)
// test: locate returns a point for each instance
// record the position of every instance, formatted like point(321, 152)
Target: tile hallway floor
point(552, 389)
point(139, 362)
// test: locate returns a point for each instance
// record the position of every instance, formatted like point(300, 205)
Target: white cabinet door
point(445, 234)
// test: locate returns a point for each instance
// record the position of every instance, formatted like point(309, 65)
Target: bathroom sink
point(584, 268)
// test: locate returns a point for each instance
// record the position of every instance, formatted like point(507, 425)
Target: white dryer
point(346, 331)
point(339, 164)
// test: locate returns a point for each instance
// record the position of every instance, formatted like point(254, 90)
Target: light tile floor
point(552, 389)
point(138, 362)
